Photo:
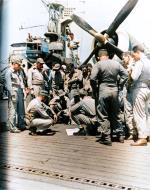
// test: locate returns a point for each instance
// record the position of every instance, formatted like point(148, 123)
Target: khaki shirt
point(14, 81)
point(35, 77)
point(37, 109)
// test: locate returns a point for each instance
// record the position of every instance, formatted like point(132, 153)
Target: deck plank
point(78, 156)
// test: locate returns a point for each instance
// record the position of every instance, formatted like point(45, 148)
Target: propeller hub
point(101, 42)
point(106, 36)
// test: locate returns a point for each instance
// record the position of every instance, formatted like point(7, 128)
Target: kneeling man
point(39, 116)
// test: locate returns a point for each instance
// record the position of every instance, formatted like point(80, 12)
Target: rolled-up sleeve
point(137, 70)
point(42, 112)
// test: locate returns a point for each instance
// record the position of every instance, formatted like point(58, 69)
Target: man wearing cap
point(36, 78)
point(39, 116)
point(73, 81)
point(60, 104)
point(106, 73)
point(15, 87)
point(86, 78)
point(58, 77)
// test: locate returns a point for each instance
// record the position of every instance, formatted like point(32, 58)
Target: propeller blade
point(90, 56)
point(83, 24)
point(108, 45)
point(100, 37)
point(114, 49)
point(122, 15)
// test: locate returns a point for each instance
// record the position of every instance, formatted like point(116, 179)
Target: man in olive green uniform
point(106, 72)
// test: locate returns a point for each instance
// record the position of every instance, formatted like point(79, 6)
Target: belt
point(16, 85)
point(140, 85)
point(38, 84)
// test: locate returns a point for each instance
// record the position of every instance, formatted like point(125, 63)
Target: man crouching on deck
point(39, 116)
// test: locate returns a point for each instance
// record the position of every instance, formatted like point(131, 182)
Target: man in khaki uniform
point(73, 81)
point(36, 78)
point(39, 116)
point(15, 87)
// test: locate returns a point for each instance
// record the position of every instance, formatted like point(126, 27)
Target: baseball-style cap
point(56, 66)
point(40, 60)
point(43, 93)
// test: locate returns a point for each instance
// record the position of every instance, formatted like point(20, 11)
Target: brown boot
point(139, 142)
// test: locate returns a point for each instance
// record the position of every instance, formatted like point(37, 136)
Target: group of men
point(87, 96)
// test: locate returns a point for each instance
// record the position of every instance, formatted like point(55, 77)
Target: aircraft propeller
point(107, 39)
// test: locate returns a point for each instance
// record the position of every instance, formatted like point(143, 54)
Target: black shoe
point(46, 132)
point(106, 142)
point(81, 132)
point(105, 139)
point(33, 133)
point(22, 129)
point(33, 129)
point(99, 138)
point(14, 130)
point(148, 138)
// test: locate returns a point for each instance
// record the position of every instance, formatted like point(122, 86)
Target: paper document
point(71, 131)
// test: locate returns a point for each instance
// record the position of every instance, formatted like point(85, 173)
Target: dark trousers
point(108, 112)
point(21, 109)
point(90, 124)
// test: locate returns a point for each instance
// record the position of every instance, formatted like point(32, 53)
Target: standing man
point(128, 64)
point(140, 75)
point(106, 72)
point(86, 73)
point(73, 49)
point(73, 81)
point(36, 78)
point(15, 87)
point(57, 78)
